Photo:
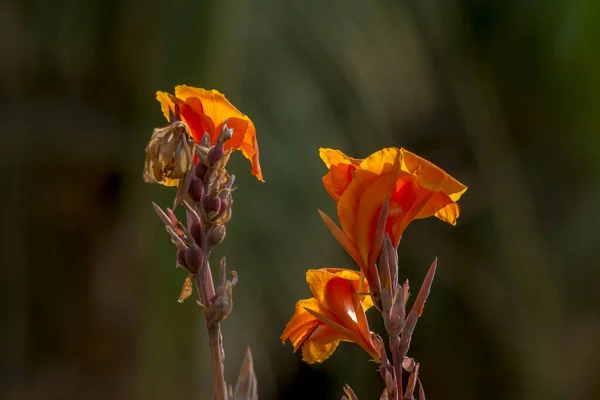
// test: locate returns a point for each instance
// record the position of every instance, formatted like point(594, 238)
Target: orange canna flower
point(335, 313)
point(415, 188)
point(205, 111)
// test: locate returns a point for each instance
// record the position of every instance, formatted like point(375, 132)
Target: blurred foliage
point(503, 95)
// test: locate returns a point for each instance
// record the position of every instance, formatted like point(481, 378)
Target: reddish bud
point(196, 232)
point(181, 257)
point(216, 153)
point(200, 170)
point(194, 258)
point(212, 204)
point(196, 189)
point(224, 204)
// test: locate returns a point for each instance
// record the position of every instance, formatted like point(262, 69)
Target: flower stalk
point(192, 153)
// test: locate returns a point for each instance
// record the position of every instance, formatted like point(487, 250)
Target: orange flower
point(335, 313)
point(414, 187)
point(205, 111)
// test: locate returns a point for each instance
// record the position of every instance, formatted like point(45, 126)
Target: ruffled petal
point(198, 123)
point(166, 103)
point(244, 139)
point(340, 171)
point(334, 157)
point(368, 211)
point(320, 345)
point(219, 109)
point(343, 301)
point(431, 176)
point(317, 279)
point(384, 162)
point(302, 323)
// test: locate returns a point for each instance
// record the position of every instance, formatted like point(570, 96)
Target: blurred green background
point(504, 95)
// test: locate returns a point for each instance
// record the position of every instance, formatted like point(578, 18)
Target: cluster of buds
point(205, 191)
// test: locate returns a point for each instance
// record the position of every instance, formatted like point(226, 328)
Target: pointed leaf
point(425, 289)
point(379, 232)
point(246, 387)
point(161, 214)
point(385, 276)
point(331, 323)
point(343, 240)
point(417, 309)
point(349, 393)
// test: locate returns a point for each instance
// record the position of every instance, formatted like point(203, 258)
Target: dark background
point(504, 95)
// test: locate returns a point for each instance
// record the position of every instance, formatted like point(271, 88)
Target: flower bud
point(181, 257)
point(221, 304)
point(196, 232)
point(216, 153)
point(217, 235)
point(212, 204)
point(224, 204)
point(200, 170)
point(196, 189)
point(194, 258)
point(224, 215)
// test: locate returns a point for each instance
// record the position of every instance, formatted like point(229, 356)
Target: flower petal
point(343, 301)
point(438, 202)
point(338, 178)
point(166, 103)
point(383, 162)
point(302, 323)
point(317, 280)
point(334, 157)
point(219, 109)
point(198, 123)
point(340, 171)
point(449, 213)
point(431, 176)
point(244, 139)
point(320, 345)
point(368, 210)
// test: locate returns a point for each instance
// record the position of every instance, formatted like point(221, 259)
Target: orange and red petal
point(166, 103)
point(335, 157)
point(386, 163)
point(317, 280)
point(368, 211)
point(437, 202)
point(191, 113)
point(343, 301)
point(198, 123)
point(302, 323)
point(219, 109)
point(205, 111)
point(431, 176)
point(320, 345)
point(214, 103)
point(338, 178)
point(340, 171)
point(244, 139)
point(339, 299)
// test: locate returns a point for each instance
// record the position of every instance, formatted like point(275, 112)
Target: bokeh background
point(504, 95)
